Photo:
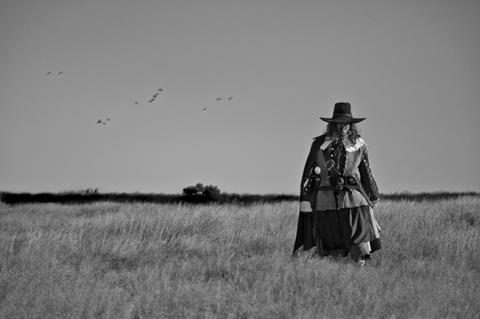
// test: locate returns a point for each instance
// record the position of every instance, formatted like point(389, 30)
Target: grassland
point(120, 260)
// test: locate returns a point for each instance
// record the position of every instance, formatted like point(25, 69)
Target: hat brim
point(343, 119)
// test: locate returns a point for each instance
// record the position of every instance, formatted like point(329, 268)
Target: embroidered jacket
point(346, 158)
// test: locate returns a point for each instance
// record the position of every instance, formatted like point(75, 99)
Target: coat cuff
point(305, 207)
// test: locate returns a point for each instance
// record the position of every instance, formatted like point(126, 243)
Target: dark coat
point(356, 164)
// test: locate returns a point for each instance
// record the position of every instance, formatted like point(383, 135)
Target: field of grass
point(120, 260)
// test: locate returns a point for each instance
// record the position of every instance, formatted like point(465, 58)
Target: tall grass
point(113, 260)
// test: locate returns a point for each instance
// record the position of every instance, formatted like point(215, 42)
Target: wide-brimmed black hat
point(342, 114)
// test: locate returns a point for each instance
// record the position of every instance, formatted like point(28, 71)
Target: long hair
point(332, 132)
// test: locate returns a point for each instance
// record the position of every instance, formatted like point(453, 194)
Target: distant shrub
point(195, 190)
point(201, 193)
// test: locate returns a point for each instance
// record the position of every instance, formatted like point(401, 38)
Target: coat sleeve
point(366, 178)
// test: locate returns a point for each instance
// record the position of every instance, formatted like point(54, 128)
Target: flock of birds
point(219, 99)
point(151, 100)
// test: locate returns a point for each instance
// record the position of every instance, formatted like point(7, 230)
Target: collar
point(349, 146)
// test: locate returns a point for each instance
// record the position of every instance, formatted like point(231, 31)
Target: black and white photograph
point(239, 159)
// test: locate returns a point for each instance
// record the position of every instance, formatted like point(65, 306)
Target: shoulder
point(360, 141)
point(358, 144)
point(321, 142)
point(318, 140)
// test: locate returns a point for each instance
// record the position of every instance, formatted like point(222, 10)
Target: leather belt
point(348, 187)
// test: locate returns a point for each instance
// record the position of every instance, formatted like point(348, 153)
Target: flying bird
point(204, 109)
point(100, 121)
point(59, 73)
point(136, 102)
point(230, 98)
point(48, 73)
point(218, 98)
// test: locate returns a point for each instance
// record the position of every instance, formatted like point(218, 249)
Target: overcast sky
point(412, 68)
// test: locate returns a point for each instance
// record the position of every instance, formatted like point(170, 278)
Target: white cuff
point(305, 206)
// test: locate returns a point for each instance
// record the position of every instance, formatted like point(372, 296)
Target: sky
point(412, 68)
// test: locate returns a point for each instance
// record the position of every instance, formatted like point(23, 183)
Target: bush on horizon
point(200, 193)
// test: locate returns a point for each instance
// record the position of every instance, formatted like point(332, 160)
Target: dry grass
point(110, 260)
